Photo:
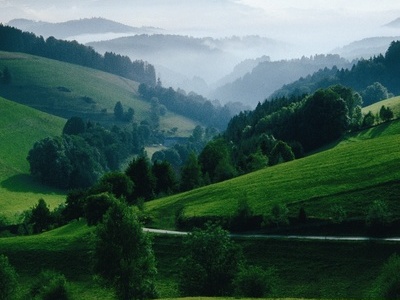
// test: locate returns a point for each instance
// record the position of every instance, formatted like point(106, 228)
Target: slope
point(361, 168)
point(20, 128)
point(67, 90)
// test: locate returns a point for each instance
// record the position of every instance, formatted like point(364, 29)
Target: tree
point(50, 285)
point(40, 218)
point(378, 216)
point(279, 215)
point(369, 119)
point(324, 118)
point(375, 93)
point(118, 111)
point(166, 182)
point(96, 206)
point(139, 171)
point(74, 126)
point(385, 113)
point(8, 279)
point(6, 76)
point(119, 184)
point(191, 176)
point(211, 262)
point(254, 281)
point(123, 254)
point(280, 152)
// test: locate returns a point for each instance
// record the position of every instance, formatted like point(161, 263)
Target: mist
point(217, 33)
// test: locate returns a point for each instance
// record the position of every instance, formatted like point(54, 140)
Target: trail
point(286, 237)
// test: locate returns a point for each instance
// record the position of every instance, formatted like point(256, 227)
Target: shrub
point(50, 285)
point(8, 279)
point(255, 282)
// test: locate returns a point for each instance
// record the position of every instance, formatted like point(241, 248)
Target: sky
point(320, 25)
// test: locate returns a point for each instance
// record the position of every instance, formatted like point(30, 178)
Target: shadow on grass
point(24, 183)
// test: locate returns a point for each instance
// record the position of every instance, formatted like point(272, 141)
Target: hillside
point(20, 128)
point(189, 62)
point(259, 83)
point(68, 90)
point(354, 172)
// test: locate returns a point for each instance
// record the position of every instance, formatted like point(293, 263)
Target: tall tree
point(8, 279)
point(119, 111)
point(123, 254)
point(139, 171)
point(191, 176)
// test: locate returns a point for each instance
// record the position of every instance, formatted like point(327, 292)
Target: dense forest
point(383, 69)
point(14, 40)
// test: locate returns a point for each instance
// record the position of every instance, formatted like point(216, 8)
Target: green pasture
point(20, 128)
point(361, 168)
point(62, 88)
point(392, 103)
point(309, 270)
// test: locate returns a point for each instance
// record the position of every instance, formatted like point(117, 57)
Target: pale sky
point(319, 24)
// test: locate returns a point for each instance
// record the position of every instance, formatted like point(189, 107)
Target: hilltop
point(75, 28)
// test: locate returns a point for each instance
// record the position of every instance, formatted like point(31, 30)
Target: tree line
point(362, 77)
point(14, 40)
point(191, 105)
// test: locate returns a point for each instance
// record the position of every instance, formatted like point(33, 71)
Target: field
point(354, 172)
point(66, 90)
point(305, 269)
point(20, 128)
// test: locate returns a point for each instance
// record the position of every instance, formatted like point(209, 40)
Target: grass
point(363, 167)
point(392, 103)
point(328, 270)
point(67, 89)
point(20, 128)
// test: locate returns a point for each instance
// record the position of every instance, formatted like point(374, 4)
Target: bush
point(8, 279)
point(387, 285)
point(50, 285)
point(253, 281)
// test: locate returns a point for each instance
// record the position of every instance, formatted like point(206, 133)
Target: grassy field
point(66, 89)
point(354, 172)
point(20, 128)
point(392, 103)
point(327, 270)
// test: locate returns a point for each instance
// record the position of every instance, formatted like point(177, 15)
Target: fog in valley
point(208, 46)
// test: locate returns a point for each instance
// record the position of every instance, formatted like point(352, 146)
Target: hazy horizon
point(312, 26)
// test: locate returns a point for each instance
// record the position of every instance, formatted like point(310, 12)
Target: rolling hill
point(352, 173)
point(68, 90)
point(20, 128)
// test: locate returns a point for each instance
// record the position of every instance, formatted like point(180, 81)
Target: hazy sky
point(318, 24)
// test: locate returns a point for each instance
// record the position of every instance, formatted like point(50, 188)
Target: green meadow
point(352, 173)
point(20, 128)
point(62, 88)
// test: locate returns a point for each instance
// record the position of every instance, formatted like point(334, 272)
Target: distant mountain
point(207, 58)
point(366, 48)
point(394, 23)
point(75, 28)
point(267, 76)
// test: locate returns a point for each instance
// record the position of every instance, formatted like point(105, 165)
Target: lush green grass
point(59, 87)
point(20, 128)
point(392, 103)
point(328, 270)
point(362, 168)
